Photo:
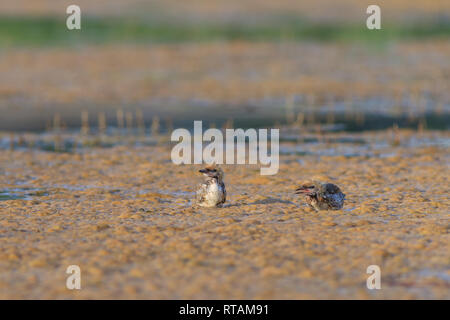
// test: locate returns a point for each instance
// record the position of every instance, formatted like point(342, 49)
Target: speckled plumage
point(322, 196)
point(212, 192)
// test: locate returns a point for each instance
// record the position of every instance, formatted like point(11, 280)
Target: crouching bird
point(211, 193)
point(322, 196)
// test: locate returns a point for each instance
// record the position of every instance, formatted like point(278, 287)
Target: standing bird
point(211, 193)
point(322, 196)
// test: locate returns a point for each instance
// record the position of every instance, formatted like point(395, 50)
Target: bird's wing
point(335, 200)
point(224, 195)
point(201, 192)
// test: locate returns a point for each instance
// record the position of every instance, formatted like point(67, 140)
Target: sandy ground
point(125, 216)
point(231, 72)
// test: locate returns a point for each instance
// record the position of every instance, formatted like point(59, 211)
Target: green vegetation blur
point(50, 31)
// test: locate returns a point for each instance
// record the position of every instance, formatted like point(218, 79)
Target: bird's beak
point(303, 190)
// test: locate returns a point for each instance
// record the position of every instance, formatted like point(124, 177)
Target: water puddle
point(72, 142)
point(21, 194)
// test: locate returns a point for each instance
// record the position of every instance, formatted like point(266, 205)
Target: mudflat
point(124, 214)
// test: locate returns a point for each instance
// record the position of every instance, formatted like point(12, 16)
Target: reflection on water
point(313, 133)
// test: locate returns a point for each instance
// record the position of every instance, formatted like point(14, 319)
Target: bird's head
point(309, 188)
point(213, 171)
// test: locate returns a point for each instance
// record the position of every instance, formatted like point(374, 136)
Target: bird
point(322, 196)
point(211, 193)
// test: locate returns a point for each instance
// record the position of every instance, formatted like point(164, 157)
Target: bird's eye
point(214, 170)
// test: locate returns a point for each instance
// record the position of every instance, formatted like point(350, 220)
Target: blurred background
point(247, 62)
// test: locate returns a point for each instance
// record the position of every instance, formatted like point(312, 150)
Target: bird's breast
point(213, 193)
